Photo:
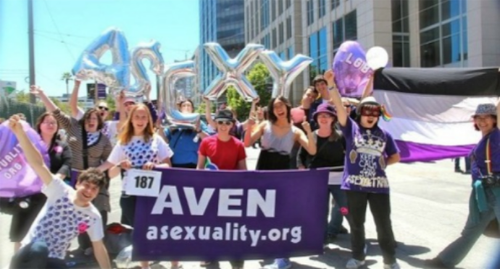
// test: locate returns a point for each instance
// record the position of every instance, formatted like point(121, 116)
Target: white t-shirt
point(110, 127)
point(139, 152)
point(60, 220)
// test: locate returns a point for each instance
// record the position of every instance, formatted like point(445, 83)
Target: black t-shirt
point(329, 153)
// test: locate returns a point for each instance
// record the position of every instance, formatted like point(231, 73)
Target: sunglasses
point(370, 111)
point(222, 122)
point(103, 108)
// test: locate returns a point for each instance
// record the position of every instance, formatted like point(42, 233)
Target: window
point(281, 33)
point(345, 28)
point(264, 14)
point(443, 34)
point(280, 7)
point(318, 51)
point(274, 44)
point(321, 8)
point(401, 50)
point(335, 4)
point(273, 10)
point(400, 38)
point(282, 56)
point(290, 52)
point(310, 12)
point(289, 27)
point(400, 20)
point(256, 21)
point(288, 3)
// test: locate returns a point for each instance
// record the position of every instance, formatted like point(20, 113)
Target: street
point(429, 209)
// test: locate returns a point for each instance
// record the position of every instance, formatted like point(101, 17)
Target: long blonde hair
point(128, 129)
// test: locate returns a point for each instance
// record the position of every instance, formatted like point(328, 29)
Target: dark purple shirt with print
point(478, 155)
point(366, 154)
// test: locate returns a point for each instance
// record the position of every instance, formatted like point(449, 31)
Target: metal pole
point(31, 41)
point(96, 94)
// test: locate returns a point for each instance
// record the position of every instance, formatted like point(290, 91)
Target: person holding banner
point(484, 202)
point(67, 213)
point(369, 150)
point(138, 147)
point(225, 152)
point(330, 154)
point(60, 165)
point(278, 136)
point(89, 148)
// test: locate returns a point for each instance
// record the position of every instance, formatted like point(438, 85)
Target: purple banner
point(417, 152)
point(351, 70)
point(224, 215)
point(17, 179)
point(101, 91)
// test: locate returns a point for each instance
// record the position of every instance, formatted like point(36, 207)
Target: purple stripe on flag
point(416, 152)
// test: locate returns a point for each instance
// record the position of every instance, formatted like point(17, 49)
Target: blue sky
point(63, 28)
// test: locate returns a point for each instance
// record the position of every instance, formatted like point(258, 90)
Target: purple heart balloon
point(17, 179)
point(351, 70)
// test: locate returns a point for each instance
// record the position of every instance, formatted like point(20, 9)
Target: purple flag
point(223, 215)
point(17, 179)
point(351, 70)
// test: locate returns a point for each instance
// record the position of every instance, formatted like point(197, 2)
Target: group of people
point(325, 131)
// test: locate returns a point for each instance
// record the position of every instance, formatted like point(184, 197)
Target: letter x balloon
point(232, 70)
point(284, 72)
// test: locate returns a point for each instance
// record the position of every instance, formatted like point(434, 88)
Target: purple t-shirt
point(365, 158)
point(478, 155)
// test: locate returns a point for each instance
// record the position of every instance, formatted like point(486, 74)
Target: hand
point(301, 167)
point(15, 125)
point(148, 166)
point(306, 102)
point(306, 126)
point(36, 90)
point(126, 165)
point(330, 77)
point(77, 82)
point(206, 100)
point(120, 98)
point(255, 101)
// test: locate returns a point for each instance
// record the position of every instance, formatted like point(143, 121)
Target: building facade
point(415, 33)
point(221, 21)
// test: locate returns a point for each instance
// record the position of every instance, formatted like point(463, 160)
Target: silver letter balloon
point(151, 52)
point(232, 70)
point(117, 75)
point(284, 72)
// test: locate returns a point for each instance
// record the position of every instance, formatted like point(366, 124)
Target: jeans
point(336, 216)
point(454, 253)
point(35, 255)
point(127, 204)
point(380, 206)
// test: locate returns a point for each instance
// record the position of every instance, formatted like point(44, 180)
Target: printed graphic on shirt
point(139, 152)
point(368, 152)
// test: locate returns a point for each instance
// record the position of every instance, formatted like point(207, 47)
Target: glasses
point(49, 122)
point(103, 108)
point(368, 111)
point(224, 122)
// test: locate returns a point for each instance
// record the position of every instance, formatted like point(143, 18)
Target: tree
point(22, 97)
point(67, 77)
point(258, 77)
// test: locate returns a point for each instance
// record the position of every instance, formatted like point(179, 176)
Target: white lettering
point(217, 235)
point(190, 233)
point(162, 203)
point(225, 202)
point(267, 206)
point(152, 233)
point(198, 207)
point(254, 236)
point(176, 233)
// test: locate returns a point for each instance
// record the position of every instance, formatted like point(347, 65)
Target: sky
point(64, 28)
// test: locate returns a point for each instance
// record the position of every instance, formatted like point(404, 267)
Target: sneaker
point(279, 264)
point(354, 264)
point(392, 266)
point(435, 263)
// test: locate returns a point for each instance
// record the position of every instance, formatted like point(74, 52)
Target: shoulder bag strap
point(84, 149)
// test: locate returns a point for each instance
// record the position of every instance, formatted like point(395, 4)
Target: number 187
point(143, 182)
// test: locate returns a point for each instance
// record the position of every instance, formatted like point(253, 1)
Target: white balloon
point(377, 57)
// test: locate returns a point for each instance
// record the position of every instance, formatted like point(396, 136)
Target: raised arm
point(253, 133)
point(337, 102)
point(73, 100)
point(307, 142)
point(32, 155)
point(368, 88)
point(49, 105)
point(208, 114)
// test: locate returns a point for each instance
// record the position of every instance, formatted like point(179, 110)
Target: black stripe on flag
point(440, 81)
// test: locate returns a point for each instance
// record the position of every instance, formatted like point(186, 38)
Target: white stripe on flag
point(431, 108)
point(432, 133)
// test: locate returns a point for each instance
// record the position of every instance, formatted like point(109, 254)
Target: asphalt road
point(429, 209)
